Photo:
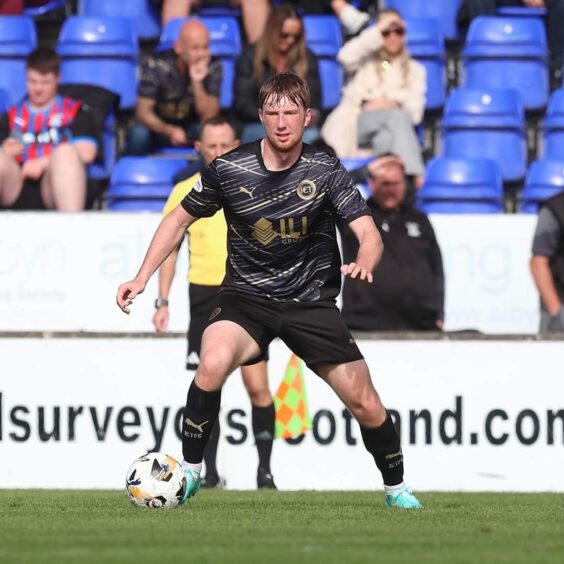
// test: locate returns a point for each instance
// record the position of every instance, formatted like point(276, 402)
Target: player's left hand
point(354, 270)
point(127, 292)
point(34, 168)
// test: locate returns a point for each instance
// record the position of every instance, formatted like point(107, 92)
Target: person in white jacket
point(384, 98)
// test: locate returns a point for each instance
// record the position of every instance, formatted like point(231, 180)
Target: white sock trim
point(393, 489)
point(194, 467)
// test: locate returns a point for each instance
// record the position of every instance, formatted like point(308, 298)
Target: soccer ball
point(155, 480)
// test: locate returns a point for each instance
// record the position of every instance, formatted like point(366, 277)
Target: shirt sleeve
point(150, 80)
point(204, 200)
point(547, 234)
point(346, 200)
point(83, 127)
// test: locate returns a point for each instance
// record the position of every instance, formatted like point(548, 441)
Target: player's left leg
point(255, 378)
point(352, 383)
point(63, 186)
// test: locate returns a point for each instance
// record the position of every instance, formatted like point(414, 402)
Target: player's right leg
point(225, 347)
point(11, 182)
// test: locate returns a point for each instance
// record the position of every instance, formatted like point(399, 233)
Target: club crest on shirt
point(413, 229)
point(306, 189)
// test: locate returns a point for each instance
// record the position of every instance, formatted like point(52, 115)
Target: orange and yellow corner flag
point(290, 401)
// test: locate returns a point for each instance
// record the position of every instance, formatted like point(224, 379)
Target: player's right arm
point(166, 276)
point(166, 239)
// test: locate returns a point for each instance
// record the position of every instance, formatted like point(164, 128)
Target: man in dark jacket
point(408, 289)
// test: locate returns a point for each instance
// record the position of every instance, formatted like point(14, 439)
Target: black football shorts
point(314, 331)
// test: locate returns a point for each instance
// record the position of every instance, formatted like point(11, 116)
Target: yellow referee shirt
point(207, 240)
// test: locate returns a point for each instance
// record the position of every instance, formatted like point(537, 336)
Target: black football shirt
point(281, 238)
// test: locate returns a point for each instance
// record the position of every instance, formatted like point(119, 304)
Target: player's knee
point(368, 412)
point(213, 367)
point(65, 154)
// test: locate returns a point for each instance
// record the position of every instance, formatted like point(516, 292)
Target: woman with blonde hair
point(384, 98)
point(281, 48)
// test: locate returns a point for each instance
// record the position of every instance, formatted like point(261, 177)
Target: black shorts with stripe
point(315, 331)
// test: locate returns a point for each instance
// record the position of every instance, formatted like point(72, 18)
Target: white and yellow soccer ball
point(155, 480)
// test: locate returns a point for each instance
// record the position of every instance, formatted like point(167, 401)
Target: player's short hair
point(285, 85)
point(220, 119)
point(44, 60)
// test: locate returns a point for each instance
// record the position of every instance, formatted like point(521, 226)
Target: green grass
point(38, 526)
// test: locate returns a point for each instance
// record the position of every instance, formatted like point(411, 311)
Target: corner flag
point(290, 401)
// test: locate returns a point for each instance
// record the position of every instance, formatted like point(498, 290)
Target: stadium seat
point(553, 127)
point(508, 53)
point(141, 183)
point(36, 9)
point(352, 163)
point(4, 101)
point(146, 19)
point(102, 52)
point(225, 43)
point(545, 179)
point(521, 12)
point(461, 186)
point(426, 45)
point(17, 40)
point(444, 11)
point(324, 38)
point(486, 123)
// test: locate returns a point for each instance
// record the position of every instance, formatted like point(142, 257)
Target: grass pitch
point(266, 527)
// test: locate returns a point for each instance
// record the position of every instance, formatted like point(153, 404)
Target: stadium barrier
point(63, 274)
point(475, 413)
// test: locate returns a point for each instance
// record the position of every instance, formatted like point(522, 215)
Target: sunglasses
point(286, 35)
point(400, 32)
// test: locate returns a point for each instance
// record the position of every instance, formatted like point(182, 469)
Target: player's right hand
point(160, 319)
point(127, 292)
point(12, 147)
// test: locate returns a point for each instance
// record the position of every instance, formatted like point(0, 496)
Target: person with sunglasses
point(281, 48)
point(384, 98)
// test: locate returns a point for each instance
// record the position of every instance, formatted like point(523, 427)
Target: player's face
point(41, 88)
point(216, 141)
point(284, 123)
point(388, 189)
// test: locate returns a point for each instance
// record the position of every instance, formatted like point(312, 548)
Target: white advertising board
point(473, 415)
point(60, 272)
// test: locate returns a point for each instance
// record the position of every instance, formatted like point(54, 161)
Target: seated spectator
point(178, 89)
point(408, 289)
point(46, 142)
point(282, 48)
point(469, 9)
point(253, 12)
point(547, 263)
point(384, 98)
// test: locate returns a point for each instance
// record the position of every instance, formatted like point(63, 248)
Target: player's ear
point(307, 117)
point(260, 115)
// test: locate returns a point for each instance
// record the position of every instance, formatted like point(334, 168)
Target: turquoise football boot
point(402, 499)
point(192, 485)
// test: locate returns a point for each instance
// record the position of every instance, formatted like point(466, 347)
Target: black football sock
point(383, 443)
point(210, 452)
point(200, 415)
point(263, 430)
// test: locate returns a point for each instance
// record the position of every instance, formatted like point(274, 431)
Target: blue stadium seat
point(141, 183)
point(508, 53)
point(4, 101)
point(443, 10)
point(461, 186)
point(521, 12)
point(352, 163)
point(103, 170)
point(545, 179)
point(225, 43)
point(426, 45)
point(146, 19)
point(553, 127)
point(35, 9)
point(17, 40)
point(102, 52)
point(324, 38)
point(486, 123)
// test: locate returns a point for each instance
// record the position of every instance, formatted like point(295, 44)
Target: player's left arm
point(369, 250)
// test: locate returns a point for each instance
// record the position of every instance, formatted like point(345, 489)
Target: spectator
point(281, 48)
point(352, 19)
point(469, 9)
point(178, 89)
point(547, 263)
point(253, 12)
point(11, 7)
point(408, 289)
point(46, 142)
point(384, 98)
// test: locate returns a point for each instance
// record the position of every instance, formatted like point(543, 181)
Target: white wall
point(474, 393)
point(61, 272)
